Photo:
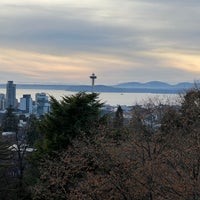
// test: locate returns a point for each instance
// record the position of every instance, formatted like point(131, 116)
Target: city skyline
point(120, 41)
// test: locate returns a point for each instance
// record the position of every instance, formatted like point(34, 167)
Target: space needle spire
point(93, 77)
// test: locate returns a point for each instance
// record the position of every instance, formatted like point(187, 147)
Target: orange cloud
point(181, 60)
point(40, 67)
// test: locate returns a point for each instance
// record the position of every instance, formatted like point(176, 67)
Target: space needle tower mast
point(93, 77)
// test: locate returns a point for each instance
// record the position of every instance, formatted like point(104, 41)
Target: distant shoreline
point(132, 87)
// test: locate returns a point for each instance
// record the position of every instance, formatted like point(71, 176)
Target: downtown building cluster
point(26, 105)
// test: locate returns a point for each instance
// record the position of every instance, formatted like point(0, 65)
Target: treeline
point(78, 153)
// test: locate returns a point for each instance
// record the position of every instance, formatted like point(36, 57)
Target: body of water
point(113, 99)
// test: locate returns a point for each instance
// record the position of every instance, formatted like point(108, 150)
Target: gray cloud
point(114, 28)
point(63, 34)
point(161, 24)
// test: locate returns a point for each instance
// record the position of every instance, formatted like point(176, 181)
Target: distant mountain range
point(155, 84)
point(129, 87)
point(137, 87)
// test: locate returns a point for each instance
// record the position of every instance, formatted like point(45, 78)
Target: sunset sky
point(65, 41)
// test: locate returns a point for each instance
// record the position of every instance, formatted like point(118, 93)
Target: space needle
point(93, 77)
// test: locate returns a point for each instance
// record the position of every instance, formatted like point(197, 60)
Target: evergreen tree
point(16, 184)
point(190, 109)
point(119, 118)
point(5, 165)
point(68, 118)
point(10, 121)
point(118, 123)
point(31, 129)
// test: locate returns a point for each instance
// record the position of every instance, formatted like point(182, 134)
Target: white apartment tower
point(11, 95)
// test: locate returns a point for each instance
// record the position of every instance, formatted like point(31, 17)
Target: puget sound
point(110, 98)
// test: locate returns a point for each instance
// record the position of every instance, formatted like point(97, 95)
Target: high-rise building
point(26, 104)
point(42, 102)
point(11, 95)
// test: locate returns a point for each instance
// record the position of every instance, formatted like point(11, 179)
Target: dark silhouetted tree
point(5, 166)
point(68, 118)
point(10, 121)
point(32, 130)
point(119, 118)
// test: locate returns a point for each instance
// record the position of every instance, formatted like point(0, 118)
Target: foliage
point(183, 125)
point(32, 130)
point(119, 118)
point(10, 121)
point(86, 170)
point(157, 158)
point(5, 164)
point(186, 117)
point(99, 168)
point(118, 123)
point(13, 173)
point(190, 109)
point(68, 118)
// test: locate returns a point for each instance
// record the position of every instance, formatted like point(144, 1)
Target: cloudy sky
point(65, 41)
